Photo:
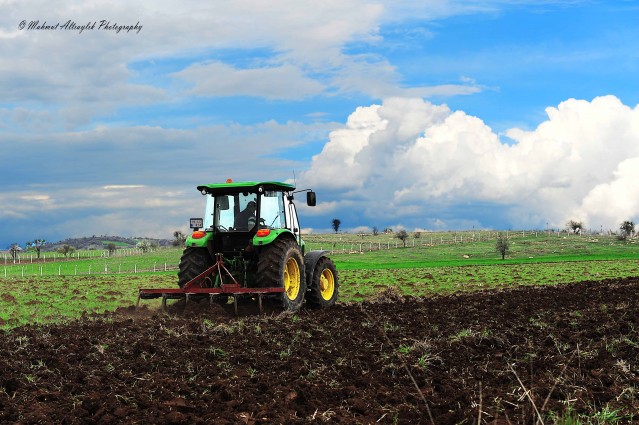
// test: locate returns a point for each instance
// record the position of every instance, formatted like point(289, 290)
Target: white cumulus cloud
point(408, 157)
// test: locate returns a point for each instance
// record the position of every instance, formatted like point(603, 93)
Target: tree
point(111, 248)
point(144, 246)
point(14, 249)
point(66, 250)
point(180, 238)
point(502, 245)
point(37, 244)
point(576, 227)
point(336, 224)
point(375, 231)
point(402, 236)
point(627, 229)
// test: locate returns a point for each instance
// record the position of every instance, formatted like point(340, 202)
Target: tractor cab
point(240, 215)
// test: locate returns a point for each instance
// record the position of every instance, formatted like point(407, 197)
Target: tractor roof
point(234, 187)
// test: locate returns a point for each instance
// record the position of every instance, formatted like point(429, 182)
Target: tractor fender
point(310, 260)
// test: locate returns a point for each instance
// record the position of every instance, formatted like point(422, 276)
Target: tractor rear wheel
point(193, 262)
point(281, 265)
point(324, 284)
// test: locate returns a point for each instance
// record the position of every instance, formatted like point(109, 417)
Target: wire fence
point(133, 261)
point(32, 256)
point(50, 269)
point(425, 239)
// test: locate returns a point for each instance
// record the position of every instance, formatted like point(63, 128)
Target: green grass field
point(32, 292)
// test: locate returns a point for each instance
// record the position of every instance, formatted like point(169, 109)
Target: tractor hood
point(224, 188)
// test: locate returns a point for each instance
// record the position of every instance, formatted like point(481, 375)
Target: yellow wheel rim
point(292, 278)
point(327, 284)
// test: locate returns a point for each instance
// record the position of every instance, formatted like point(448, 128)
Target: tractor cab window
point(272, 211)
point(235, 212)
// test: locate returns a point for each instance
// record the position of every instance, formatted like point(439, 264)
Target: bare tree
point(627, 229)
point(66, 250)
point(180, 238)
point(577, 227)
point(336, 223)
point(37, 244)
point(14, 249)
point(502, 245)
point(144, 246)
point(111, 248)
point(402, 235)
point(375, 231)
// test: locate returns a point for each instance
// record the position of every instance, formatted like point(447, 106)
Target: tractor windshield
point(231, 212)
point(237, 212)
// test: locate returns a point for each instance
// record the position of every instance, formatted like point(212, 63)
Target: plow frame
point(194, 287)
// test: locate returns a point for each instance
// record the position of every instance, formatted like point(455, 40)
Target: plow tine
point(164, 302)
point(259, 302)
point(235, 303)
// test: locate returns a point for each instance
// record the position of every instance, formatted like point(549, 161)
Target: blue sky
point(421, 115)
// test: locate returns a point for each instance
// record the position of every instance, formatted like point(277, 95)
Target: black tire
point(193, 262)
point(281, 265)
point(324, 286)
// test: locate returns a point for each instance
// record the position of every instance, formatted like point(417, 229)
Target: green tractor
point(249, 245)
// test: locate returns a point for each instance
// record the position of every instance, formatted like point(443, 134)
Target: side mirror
point(311, 199)
point(222, 202)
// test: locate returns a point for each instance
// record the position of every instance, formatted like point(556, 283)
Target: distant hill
point(101, 242)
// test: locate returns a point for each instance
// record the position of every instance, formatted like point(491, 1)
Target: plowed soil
point(507, 356)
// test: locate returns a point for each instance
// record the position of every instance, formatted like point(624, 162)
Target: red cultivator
point(203, 285)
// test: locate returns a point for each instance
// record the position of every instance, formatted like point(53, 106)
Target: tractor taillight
point(198, 234)
point(261, 233)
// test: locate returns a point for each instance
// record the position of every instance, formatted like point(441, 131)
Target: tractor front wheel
point(324, 285)
point(281, 265)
